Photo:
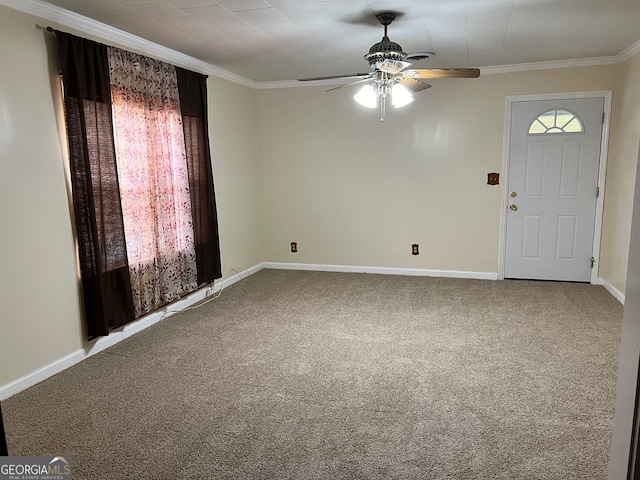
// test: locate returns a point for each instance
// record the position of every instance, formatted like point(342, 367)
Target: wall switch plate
point(294, 247)
point(493, 179)
point(414, 249)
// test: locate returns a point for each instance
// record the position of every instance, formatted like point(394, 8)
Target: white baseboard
point(102, 343)
point(37, 376)
point(419, 272)
point(611, 289)
point(145, 322)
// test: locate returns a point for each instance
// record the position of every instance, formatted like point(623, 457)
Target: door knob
point(513, 207)
point(514, 194)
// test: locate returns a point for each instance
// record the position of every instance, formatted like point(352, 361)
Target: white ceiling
point(276, 40)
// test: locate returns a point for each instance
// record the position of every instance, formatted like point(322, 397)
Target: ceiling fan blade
point(365, 18)
point(349, 84)
point(417, 56)
point(414, 85)
point(330, 77)
point(443, 73)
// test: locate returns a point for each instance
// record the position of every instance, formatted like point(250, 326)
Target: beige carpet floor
point(310, 375)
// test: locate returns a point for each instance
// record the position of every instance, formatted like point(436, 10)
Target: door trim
point(602, 170)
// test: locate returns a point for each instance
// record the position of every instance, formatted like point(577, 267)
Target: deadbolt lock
point(514, 194)
point(513, 207)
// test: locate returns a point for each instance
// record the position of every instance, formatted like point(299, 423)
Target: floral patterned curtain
point(142, 180)
point(153, 177)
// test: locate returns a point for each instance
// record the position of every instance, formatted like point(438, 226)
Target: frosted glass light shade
point(367, 97)
point(400, 96)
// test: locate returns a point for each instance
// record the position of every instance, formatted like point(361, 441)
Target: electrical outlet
point(414, 249)
point(209, 292)
point(294, 247)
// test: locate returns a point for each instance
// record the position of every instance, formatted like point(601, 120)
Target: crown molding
point(628, 52)
point(550, 65)
point(66, 18)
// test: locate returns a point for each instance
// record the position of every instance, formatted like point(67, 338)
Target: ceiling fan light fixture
point(400, 95)
point(391, 75)
point(367, 96)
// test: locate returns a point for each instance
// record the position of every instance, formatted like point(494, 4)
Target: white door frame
point(602, 171)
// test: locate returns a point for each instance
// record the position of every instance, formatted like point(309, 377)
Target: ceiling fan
point(390, 75)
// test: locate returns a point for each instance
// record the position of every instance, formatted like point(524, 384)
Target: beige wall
point(623, 158)
point(40, 320)
point(627, 386)
point(235, 148)
point(353, 191)
point(292, 164)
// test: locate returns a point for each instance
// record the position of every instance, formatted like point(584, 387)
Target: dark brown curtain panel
point(94, 177)
point(192, 88)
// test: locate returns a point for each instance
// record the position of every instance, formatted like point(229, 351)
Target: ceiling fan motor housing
point(384, 50)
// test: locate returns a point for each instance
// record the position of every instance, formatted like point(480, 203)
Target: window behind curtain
point(142, 180)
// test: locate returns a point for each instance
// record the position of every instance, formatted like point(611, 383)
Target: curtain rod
point(50, 29)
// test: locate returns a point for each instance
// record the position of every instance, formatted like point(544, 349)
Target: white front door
point(553, 179)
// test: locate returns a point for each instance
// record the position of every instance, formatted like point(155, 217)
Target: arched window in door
point(556, 121)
